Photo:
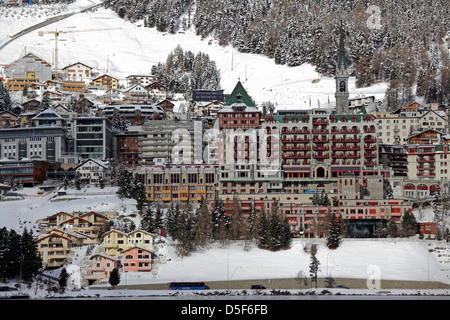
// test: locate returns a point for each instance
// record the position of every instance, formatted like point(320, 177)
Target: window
point(192, 178)
point(158, 178)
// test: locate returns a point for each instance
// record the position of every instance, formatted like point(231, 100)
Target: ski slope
point(134, 49)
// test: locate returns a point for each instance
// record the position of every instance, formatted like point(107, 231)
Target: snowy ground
point(134, 49)
point(387, 259)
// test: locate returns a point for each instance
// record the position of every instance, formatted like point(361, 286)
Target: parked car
point(257, 287)
point(340, 286)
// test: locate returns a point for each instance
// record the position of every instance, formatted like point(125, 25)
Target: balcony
point(320, 148)
point(430, 159)
point(429, 167)
point(296, 148)
point(345, 155)
point(369, 155)
point(344, 130)
point(344, 147)
point(320, 121)
point(323, 139)
point(320, 130)
point(295, 139)
point(296, 155)
point(320, 155)
point(344, 139)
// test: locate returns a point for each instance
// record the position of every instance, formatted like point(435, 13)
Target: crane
point(57, 32)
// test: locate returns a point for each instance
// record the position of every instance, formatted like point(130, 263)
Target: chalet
point(8, 119)
point(112, 96)
point(167, 106)
point(48, 117)
point(56, 245)
point(106, 82)
point(100, 268)
point(136, 94)
point(89, 223)
point(31, 105)
point(137, 259)
point(114, 242)
point(93, 171)
point(434, 120)
point(207, 108)
point(157, 90)
point(143, 80)
point(428, 136)
point(77, 72)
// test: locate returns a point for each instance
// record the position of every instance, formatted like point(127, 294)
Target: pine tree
point(185, 236)
point(253, 222)
point(77, 180)
point(263, 236)
point(203, 232)
point(45, 102)
point(169, 219)
point(333, 238)
point(114, 278)
point(408, 225)
point(31, 258)
point(62, 280)
point(314, 264)
point(159, 223)
point(237, 224)
point(148, 220)
point(5, 99)
point(392, 229)
point(285, 237)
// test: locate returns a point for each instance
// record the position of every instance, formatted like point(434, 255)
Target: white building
point(92, 171)
point(77, 72)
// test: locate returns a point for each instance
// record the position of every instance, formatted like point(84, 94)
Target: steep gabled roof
point(239, 93)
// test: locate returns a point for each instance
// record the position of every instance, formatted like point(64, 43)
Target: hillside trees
point(407, 34)
point(274, 230)
point(131, 186)
point(185, 71)
point(18, 255)
point(5, 99)
point(195, 229)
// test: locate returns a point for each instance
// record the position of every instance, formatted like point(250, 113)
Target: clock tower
point(341, 77)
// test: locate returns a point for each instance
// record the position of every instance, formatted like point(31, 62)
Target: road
point(48, 22)
point(280, 284)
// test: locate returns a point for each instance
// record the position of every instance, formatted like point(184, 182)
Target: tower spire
point(341, 76)
point(342, 62)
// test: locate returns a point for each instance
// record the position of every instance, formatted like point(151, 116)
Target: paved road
point(46, 23)
point(294, 284)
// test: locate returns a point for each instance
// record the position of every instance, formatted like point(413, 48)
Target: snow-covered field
point(386, 259)
point(134, 49)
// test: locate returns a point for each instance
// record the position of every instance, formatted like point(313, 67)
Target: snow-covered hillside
point(386, 259)
point(134, 49)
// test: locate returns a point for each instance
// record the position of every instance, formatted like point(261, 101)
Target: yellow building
point(115, 242)
point(56, 245)
point(180, 183)
point(106, 81)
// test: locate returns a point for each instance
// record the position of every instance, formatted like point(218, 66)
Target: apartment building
point(177, 141)
point(143, 80)
point(77, 72)
point(26, 70)
point(93, 137)
point(180, 182)
point(48, 143)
